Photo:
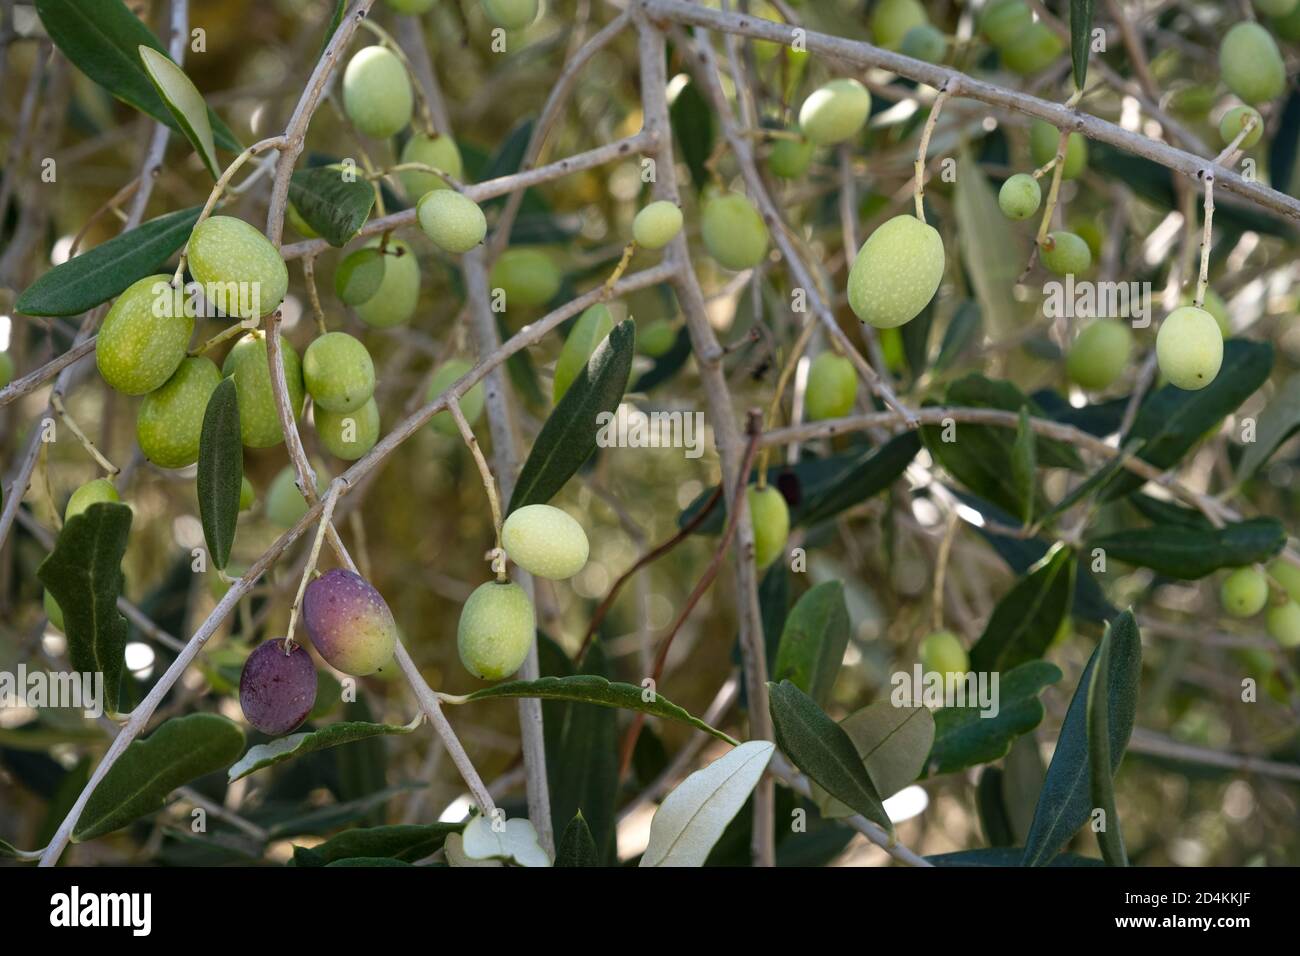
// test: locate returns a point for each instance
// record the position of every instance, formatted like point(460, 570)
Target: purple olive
point(277, 690)
point(348, 622)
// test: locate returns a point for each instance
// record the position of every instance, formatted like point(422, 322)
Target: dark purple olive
point(277, 690)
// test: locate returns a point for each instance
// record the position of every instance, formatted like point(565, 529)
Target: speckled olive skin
point(471, 403)
point(733, 232)
point(511, 14)
point(338, 372)
point(1234, 121)
point(496, 628)
point(832, 387)
point(1020, 196)
point(440, 152)
point(170, 419)
point(225, 250)
point(399, 291)
point(454, 223)
point(92, 492)
point(1251, 64)
point(349, 623)
point(334, 430)
point(896, 273)
point(259, 425)
point(770, 517)
point(1244, 592)
point(589, 331)
point(835, 112)
point(1189, 348)
point(277, 690)
point(1065, 253)
point(1100, 354)
point(657, 225)
point(545, 541)
point(137, 351)
point(377, 95)
point(527, 276)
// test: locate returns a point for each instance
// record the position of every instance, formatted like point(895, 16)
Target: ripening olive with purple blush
point(349, 623)
point(277, 690)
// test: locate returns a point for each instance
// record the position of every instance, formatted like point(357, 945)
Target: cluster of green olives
point(1025, 44)
point(903, 25)
point(1246, 591)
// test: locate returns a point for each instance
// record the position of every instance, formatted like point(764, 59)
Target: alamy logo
point(83, 690)
point(210, 300)
point(630, 427)
point(73, 909)
point(1098, 300)
point(932, 689)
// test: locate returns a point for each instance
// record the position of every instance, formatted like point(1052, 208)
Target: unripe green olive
point(1189, 348)
point(377, 92)
point(1251, 64)
point(1020, 196)
point(511, 14)
point(1283, 623)
point(1065, 253)
point(412, 6)
point(170, 419)
point(259, 422)
point(835, 112)
point(733, 232)
point(832, 387)
point(545, 541)
point(438, 152)
point(91, 493)
point(391, 277)
point(1088, 230)
point(52, 610)
point(1288, 26)
point(454, 222)
point(789, 158)
point(657, 338)
point(942, 653)
point(1043, 138)
point(527, 276)
point(471, 403)
point(926, 43)
point(891, 20)
point(1235, 120)
point(1214, 305)
point(496, 629)
point(231, 259)
point(247, 496)
point(1287, 575)
point(1244, 592)
point(1031, 50)
point(349, 622)
point(349, 435)
point(897, 272)
point(285, 504)
point(137, 350)
point(588, 331)
point(1275, 8)
point(657, 225)
point(1001, 20)
point(338, 372)
point(6, 369)
point(770, 517)
point(1100, 354)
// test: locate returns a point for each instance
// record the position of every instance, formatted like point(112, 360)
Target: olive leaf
point(182, 97)
point(694, 130)
point(299, 745)
point(1277, 422)
point(992, 250)
point(99, 274)
point(334, 206)
point(1101, 779)
point(1080, 39)
point(893, 741)
point(813, 641)
point(1185, 552)
point(576, 847)
point(221, 471)
point(1029, 616)
point(403, 842)
point(1003, 856)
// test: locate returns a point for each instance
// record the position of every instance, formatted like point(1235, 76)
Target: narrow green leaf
point(334, 207)
point(568, 437)
point(1065, 802)
point(1024, 463)
point(149, 769)
point(694, 130)
point(893, 741)
point(576, 848)
point(403, 842)
point(991, 810)
point(1101, 781)
point(221, 471)
point(102, 39)
point(332, 24)
point(588, 689)
point(1004, 856)
point(965, 737)
point(1089, 485)
point(1187, 553)
point(299, 745)
point(1279, 420)
point(813, 641)
point(99, 274)
point(823, 751)
point(84, 574)
point(866, 477)
point(1027, 619)
point(182, 97)
point(1080, 39)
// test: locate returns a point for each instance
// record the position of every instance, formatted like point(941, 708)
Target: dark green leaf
point(1187, 553)
point(588, 689)
point(1065, 801)
point(963, 327)
point(893, 741)
point(299, 745)
point(823, 751)
point(1004, 856)
point(84, 575)
point(964, 737)
point(1027, 619)
point(568, 437)
point(221, 471)
point(1162, 511)
point(102, 39)
point(1101, 780)
point(101, 273)
point(404, 842)
point(1080, 39)
point(1278, 422)
point(813, 641)
point(692, 123)
point(1097, 479)
point(335, 19)
point(992, 812)
point(1024, 464)
point(331, 205)
point(869, 475)
point(180, 750)
point(510, 156)
point(577, 848)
